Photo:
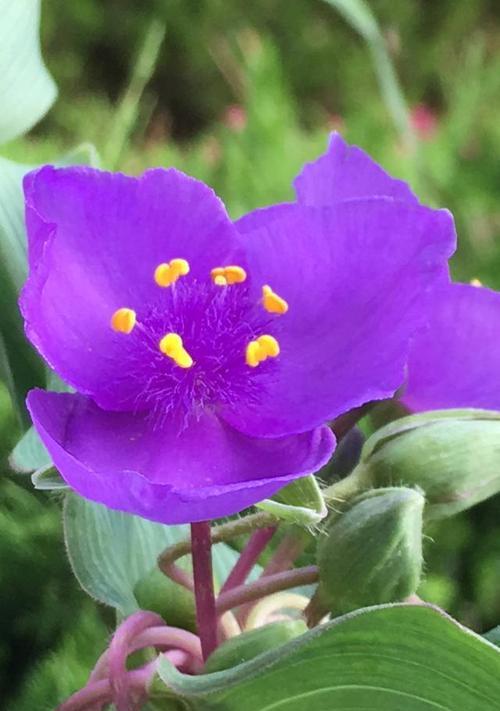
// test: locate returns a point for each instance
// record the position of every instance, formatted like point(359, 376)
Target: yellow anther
point(180, 266)
point(171, 345)
point(475, 282)
point(222, 276)
point(269, 345)
point(272, 302)
point(167, 274)
point(259, 350)
point(235, 275)
point(123, 320)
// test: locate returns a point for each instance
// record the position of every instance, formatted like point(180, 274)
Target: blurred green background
point(241, 94)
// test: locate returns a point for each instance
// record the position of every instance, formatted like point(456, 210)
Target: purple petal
point(345, 172)
point(355, 277)
point(206, 471)
point(95, 239)
point(456, 362)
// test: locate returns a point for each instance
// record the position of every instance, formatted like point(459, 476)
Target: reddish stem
point(119, 651)
point(285, 554)
point(206, 616)
point(97, 693)
point(267, 585)
point(249, 556)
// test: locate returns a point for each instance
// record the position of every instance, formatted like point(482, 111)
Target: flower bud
point(159, 594)
point(248, 645)
point(452, 455)
point(372, 552)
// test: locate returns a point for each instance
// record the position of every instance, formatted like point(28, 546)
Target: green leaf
point(111, 551)
point(300, 502)
point(29, 454)
point(384, 658)
point(48, 479)
point(493, 636)
point(26, 87)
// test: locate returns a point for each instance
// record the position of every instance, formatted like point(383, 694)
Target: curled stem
point(219, 534)
point(266, 586)
point(249, 556)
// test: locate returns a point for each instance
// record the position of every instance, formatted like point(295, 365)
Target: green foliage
point(385, 658)
point(26, 88)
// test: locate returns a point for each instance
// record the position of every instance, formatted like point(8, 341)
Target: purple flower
point(455, 362)
point(455, 357)
point(207, 356)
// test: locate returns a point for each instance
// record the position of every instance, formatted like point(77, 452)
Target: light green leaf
point(29, 454)
point(300, 502)
point(384, 658)
point(48, 479)
point(110, 551)
point(26, 87)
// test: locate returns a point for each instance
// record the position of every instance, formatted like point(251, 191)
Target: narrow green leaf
point(384, 658)
point(26, 87)
point(48, 479)
point(300, 502)
point(359, 15)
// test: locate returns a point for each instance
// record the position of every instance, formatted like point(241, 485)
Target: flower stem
point(348, 487)
point(206, 617)
point(219, 534)
point(266, 586)
point(249, 555)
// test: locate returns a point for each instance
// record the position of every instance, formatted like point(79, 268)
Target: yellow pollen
point(272, 302)
point(171, 345)
point(123, 320)
point(261, 349)
point(167, 274)
point(222, 276)
point(475, 282)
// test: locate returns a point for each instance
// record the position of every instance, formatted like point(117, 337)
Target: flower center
point(199, 344)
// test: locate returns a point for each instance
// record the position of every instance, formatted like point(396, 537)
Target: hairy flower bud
point(372, 552)
point(452, 455)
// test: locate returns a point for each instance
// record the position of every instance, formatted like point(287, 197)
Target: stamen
point(272, 302)
point(475, 282)
point(252, 355)
point(171, 345)
point(222, 276)
point(269, 345)
point(123, 320)
point(167, 274)
point(264, 347)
